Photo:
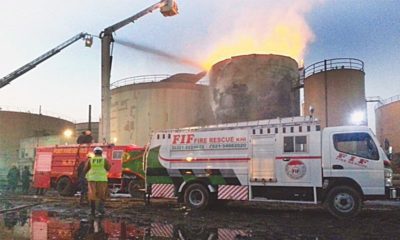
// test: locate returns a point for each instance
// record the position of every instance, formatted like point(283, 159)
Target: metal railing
point(139, 79)
point(387, 101)
point(332, 64)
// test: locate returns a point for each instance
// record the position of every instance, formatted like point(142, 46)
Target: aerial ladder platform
point(29, 66)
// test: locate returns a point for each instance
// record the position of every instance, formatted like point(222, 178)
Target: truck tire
point(196, 196)
point(343, 202)
point(134, 188)
point(65, 187)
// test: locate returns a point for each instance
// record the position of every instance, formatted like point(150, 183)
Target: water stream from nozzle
point(160, 53)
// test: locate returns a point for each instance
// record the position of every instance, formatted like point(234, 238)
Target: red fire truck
point(58, 167)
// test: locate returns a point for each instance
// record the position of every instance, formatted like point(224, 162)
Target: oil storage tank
point(335, 89)
point(143, 104)
point(15, 126)
point(254, 87)
point(387, 114)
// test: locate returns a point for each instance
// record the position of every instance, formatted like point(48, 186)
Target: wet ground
point(52, 217)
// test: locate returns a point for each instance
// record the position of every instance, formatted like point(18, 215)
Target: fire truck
point(57, 167)
point(279, 160)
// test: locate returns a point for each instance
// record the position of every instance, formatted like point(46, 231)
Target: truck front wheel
point(65, 187)
point(343, 202)
point(196, 196)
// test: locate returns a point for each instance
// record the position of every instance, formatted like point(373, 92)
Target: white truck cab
point(285, 160)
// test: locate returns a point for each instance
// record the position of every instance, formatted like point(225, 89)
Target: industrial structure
point(335, 89)
point(387, 114)
point(144, 104)
point(15, 126)
point(167, 8)
point(254, 87)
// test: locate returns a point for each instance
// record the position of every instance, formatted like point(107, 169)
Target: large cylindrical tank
point(387, 115)
point(254, 87)
point(335, 88)
point(137, 109)
point(15, 126)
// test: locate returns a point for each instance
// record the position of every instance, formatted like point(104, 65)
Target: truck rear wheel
point(65, 187)
point(343, 202)
point(196, 196)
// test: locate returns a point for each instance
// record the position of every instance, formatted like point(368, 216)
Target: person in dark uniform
point(82, 182)
point(13, 178)
point(88, 137)
point(26, 179)
point(85, 137)
point(80, 138)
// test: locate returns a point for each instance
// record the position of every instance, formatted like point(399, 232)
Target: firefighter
point(13, 178)
point(88, 137)
point(96, 174)
point(85, 137)
point(80, 138)
point(26, 179)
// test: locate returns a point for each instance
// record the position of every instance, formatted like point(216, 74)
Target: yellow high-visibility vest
point(97, 172)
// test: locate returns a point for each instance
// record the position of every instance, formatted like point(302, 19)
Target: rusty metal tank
point(335, 88)
point(254, 87)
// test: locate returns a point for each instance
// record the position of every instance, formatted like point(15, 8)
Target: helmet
point(98, 150)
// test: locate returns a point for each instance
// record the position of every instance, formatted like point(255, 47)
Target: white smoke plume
point(264, 27)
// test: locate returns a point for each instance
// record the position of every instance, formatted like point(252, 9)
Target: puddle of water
point(42, 224)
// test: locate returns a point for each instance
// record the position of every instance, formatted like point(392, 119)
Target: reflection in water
point(23, 217)
point(91, 229)
point(11, 219)
point(47, 225)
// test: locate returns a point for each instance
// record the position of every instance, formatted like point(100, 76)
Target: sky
point(204, 30)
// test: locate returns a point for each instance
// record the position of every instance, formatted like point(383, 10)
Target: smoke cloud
point(263, 27)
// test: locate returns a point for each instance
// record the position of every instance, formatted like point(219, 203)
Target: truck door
point(355, 155)
point(263, 158)
point(298, 162)
point(42, 169)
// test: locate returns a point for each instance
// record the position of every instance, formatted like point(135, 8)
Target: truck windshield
point(358, 144)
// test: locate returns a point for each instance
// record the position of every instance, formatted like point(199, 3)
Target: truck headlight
point(388, 177)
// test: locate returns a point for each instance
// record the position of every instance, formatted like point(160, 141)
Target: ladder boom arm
point(29, 66)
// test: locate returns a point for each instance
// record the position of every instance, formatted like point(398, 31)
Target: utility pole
point(167, 8)
point(90, 118)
